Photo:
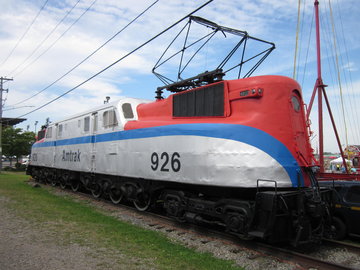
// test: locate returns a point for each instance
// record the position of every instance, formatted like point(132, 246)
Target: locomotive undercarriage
point(295, 216)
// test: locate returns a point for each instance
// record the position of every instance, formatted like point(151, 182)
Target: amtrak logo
point(71, 156)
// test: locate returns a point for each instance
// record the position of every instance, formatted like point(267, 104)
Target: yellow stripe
point(355, 208)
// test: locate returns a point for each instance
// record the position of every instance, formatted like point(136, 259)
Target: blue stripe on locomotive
point(244, 134)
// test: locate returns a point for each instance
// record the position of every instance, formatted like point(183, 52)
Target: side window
point(87, 123)
point(353, 194)
point(49, 132)
point(95, 126)
point(109, 119)
point(127, 110)
point(60, 130)
point(105, 118)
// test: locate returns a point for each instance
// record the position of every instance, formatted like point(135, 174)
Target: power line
point(2, 80)
point(357, 125)
point(15, 108)
point(86, 58)
point(46, 38)
point(117, 61)
point(26, 31)
point(48, 48)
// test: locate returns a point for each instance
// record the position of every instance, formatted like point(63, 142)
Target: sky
point(37, 53)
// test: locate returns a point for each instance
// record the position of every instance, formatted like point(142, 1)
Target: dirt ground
point(24, 246)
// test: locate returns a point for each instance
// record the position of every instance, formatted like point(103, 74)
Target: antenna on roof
point(106, 99)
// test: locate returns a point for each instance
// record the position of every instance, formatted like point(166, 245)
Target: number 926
point(165, 162)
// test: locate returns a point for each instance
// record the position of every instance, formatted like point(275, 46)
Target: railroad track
point(345, 245)
point(304, 261)
point(298, 259)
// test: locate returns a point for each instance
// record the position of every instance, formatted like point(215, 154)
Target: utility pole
point(2, 102)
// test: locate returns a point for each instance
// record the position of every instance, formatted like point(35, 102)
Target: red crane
point(319, 88)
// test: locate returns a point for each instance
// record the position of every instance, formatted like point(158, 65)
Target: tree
point(16, 142)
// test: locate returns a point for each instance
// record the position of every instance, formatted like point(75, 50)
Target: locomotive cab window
point(49, 132)
point(295, 100)
point(127, 110)
point(41, 135)
point(109, 118)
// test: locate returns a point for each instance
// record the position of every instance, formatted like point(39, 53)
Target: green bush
point(18, 168)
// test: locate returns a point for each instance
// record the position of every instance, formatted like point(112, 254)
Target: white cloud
point(350, 66)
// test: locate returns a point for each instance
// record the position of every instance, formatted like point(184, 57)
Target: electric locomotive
point(235, 153)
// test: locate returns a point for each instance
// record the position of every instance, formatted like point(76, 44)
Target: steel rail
point(301, 259)
point(340, 244)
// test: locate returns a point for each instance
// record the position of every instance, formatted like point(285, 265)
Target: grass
point(77, 222)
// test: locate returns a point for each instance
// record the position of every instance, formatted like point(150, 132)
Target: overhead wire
point(86, 58)
point(357, 127)
point(52, 44)
point(301, 40)
point(341, 100)
point(46, 38)
point(329, 52)
point(338, 74)
point(297, 38)
point(308, 48)
point(118, 60)
point(24, 34)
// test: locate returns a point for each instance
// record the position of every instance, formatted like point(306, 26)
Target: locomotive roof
point(104, 106)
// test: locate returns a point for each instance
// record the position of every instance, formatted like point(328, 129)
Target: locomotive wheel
point(40, 176)
point(174, 209)
point(143, 202)
point(62, 184)
point(233, 222)
point(97, 192)
point(35, 175)
point(52, 180)
point(340, 228)
point(64, 179)
point(75, 185)
point(116, 195)
point(48, 179)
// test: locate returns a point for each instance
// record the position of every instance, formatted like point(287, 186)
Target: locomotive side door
point(94, 130)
